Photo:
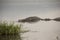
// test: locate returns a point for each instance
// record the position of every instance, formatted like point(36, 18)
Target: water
point(10, 37)
point(43, 31)
point(20, 9)
point(38, 31)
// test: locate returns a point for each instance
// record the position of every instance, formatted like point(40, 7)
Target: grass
point(10, 29)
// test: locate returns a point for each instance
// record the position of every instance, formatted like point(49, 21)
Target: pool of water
point(42, 31)
point(38, 31)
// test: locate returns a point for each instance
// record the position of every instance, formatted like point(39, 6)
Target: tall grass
point(10, 29)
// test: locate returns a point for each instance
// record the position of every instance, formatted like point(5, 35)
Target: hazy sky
point(15, 9)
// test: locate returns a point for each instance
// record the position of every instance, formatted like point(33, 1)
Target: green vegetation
point(10, 29)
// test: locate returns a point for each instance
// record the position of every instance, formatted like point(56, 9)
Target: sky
point(15, 9)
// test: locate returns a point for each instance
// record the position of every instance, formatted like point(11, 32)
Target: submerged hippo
point(36, 19)
point(30, 19)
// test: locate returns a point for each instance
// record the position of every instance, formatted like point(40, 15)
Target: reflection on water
point(10, 37)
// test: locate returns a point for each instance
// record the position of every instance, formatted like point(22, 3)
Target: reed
point(10, 29)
